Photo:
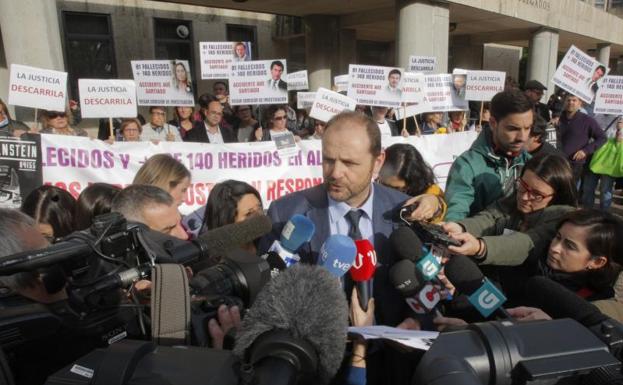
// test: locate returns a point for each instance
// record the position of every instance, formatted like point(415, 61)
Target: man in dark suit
point(275, 82)
point(210, 130)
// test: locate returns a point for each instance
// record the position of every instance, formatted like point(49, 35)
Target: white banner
point(483, 85)
point(298, 81)
point(163, 83)
point(425, 64)
point(258, 82)
point(375, 86)
point(580, 74)
point(445, 92)
point(305, 99)
point(37, 88)
point(217, 56)
point(609, 99)
point(107, 98)
point(413, 90)
point(328, 104)
point(341, 83)
point(73, 162)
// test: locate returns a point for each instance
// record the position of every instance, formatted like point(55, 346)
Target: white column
point(603, 54)
point(321, 49)
point(542, 58)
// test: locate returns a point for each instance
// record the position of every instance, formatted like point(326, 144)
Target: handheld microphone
point(407, 245)
point(337, 254)
point(363, 270)
point(422, 299)
point(298, 230)
point(482, 293)
point(275, 263)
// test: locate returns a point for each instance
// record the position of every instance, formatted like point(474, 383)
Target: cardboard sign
point(107, 98)
point(483, 85)
point(445, 92)
point(305, 99)
point(580, 74)
point(163, 83)
point(375, 86)
point(37, 88)
point(216, 57)
point(328, 104)
point(258, 82)
point(424, 64)
point(341, 83)
point(298, 81)
point(609, 99)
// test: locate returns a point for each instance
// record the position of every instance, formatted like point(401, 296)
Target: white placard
point(483, 85)
point(609, 99)
point(258, 82)
point(107, 98)
point(413, 90)
point(163, 83)
point(217, 56)
point(580, 74)
point(37, 88)
point(328, 104)
point(425, 64)
point(298, 81)
point(374, 85)
point(305, 99)
point(341, 83)
point(442, 94)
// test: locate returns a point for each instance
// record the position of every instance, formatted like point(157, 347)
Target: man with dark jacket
point(210, 130)
point(534, 92)
point(537, 143)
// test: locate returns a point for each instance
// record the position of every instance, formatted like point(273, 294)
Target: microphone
point(468, 279)
point(275, 263)
point(298, 230)
point(337, 254)
point(232, 236)
point(422, 299)
point(407, 245)
point(296, 329)
point(363, 270)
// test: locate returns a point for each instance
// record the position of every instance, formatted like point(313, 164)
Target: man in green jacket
point(487, 171)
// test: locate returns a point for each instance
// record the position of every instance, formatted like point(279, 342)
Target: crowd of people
point(518, 205)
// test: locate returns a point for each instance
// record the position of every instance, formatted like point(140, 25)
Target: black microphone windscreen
point(275, 261)
point(232, 236)
point(307, 302)
point(464, 274)
point(403, 277)
point(406, 244)
point(560, 302)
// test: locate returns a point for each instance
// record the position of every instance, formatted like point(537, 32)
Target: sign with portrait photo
point(375, 85)
point(580, 74)
point(217, 56)
point(163, 83)
point(609, 99)
point(258, 82)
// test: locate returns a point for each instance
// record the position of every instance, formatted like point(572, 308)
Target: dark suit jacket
point(280, 84)
point(391, 308)
point(198, 134)
point(393, 127)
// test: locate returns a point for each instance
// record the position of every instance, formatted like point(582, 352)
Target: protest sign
point(305, 99)
point(163, 83)
point(107, 98)
point(298, 81)
point(217, 56)
point(413, 91)
point(37, 88)
point(609, 99)
point(580, 74)
point(328, 104)
point(424, 64)
point(483, 85)
point(341, 83)
point(72, 163)
point(375, 86)
point(444, 92)
point(20, 168)
point(258, 82)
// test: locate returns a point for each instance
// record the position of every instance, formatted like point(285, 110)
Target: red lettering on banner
point(280, 187)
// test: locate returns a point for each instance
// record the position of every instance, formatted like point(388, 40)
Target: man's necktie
point(353, 217)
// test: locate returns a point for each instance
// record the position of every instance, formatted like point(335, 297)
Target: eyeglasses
point(54, 115)
point(282, 117)
point(522, 187)
point(157, 113)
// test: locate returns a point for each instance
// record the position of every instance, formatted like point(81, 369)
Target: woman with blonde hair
point(162, 170)
point(57, 122)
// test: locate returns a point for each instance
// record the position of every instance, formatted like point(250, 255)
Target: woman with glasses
point(277, 124)
point(57, 122)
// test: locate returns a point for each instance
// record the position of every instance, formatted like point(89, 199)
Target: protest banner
point(298, 81)
point(424, 64)
point(217, 56)
point(341, 83)
point(163, 83)
point(37, 88)
point(580, 74)
point(609, 99)
point(20, 168)
point(413, 93)
point(107, 98)
point(374, 85)
point(258, 82)
point(483, 85)
point(445, 92)
point(305, 99)
point(328, 104)
point(72, 163)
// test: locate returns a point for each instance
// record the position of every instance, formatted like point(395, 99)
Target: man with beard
point(487, 171)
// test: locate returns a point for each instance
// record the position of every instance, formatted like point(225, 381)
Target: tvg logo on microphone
point(428, 266)
point(487, 299)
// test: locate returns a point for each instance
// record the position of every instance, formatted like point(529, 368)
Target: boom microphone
point(337, 254)
point(295, 332)
point(363, 270)
point(230, 237)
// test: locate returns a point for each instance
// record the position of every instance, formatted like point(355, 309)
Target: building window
point(238, 32)
point(89, 48)
point(174, 40)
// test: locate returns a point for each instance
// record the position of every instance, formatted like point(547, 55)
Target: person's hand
point(443, 323)
point(110, 140)
point(409, 324)
point(452, 227)
point(524, 313)
point(441, 276)
point(259, 133)
point(297, 138)
point(469, 244)
point(580, 155)
point(228, 318)
point(428, 204)
point(170, 137)
point(359, 317)
point(155, 141)
point(73, 105)
point(404, 133)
